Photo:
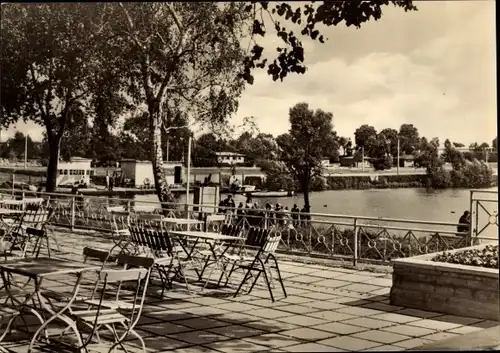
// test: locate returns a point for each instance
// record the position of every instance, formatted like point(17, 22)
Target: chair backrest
point(33, 200)
point(259, 237)
point(214, 222)
point(153, 238)
point(96, 254)
point(35, 216)
point(118, 219)
point(135, 261)
point(272, 242)
point(110, 209)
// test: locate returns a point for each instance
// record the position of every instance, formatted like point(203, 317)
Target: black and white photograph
point(265, 176)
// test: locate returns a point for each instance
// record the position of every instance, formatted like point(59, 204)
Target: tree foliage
point(365, 137)
point(311, 138)
point(50, 66)
point(308, 18)
point(452, 155)
point(409, 138)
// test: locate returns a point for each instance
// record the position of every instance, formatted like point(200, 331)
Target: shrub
point(382, 163)
point(319, 184)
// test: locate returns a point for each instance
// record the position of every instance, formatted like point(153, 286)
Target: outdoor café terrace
point(329, 305)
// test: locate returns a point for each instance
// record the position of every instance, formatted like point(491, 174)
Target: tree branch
point(167, 129)
point(44, 115)
point(180, 46)
point(130, 25)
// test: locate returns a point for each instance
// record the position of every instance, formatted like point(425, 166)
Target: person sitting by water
point(295, 214)
point(464, 223)
point(279, 216)
point(229, 202)
point(222, 204)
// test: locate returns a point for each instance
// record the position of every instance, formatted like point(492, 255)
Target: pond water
point(406, 203)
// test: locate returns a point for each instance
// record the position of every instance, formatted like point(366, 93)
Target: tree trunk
point(161, 185)
point(305, 190)
point(54, 147)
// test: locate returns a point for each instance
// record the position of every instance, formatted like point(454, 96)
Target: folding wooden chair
point(92, 255)
point(152, 240)
point(32, 226)
point(264, 244)
point(95, 319)
point(119, 220)
point(214, 222)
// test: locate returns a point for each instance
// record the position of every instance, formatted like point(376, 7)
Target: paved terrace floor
point(327, 310)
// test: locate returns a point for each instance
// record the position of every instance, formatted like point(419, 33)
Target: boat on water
point(279, 193)
point(244, 189)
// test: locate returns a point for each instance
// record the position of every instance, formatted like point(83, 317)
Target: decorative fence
point(484, 212)
point(352, 238)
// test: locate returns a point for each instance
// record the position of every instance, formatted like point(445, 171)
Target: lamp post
point(397, 170)
point(188, 176)
point(26, 152)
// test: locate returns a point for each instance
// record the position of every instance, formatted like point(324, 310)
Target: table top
point(6, 211)
point(181, 220)
point(45, 266)
point(204, 235)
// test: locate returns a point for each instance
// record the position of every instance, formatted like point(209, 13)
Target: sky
point(434, 68)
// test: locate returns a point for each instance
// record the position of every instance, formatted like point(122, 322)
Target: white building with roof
point(230, 158)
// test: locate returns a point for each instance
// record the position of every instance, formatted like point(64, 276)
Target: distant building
point(230, 158)
point(77, 170)
point(406, 160)
point(141, 174)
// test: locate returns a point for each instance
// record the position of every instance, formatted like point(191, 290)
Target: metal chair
point(32, 226)
point(265, 245)
point(111, 319)
point(152, 240)
point(119, 220)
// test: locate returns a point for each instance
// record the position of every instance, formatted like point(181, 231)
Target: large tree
point(50, 67)
point(494, 144)
point(310, 139)
point(365, 137)
point(409, 138)
point(452, 155)
point(391, 135)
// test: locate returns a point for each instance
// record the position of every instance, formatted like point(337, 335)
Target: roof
point(229, 154)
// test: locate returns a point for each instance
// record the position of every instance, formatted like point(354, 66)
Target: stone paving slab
point(327, 310)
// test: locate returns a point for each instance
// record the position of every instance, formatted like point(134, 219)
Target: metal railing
point(352, 238)
point(483, 217)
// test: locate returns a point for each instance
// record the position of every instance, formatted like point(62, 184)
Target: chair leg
point(279, 273)
point(242, 282)
point(204, 268)
point(48, 244)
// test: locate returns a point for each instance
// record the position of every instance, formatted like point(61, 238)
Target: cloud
point(434, 68)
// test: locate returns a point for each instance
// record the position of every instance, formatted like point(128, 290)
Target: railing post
point(73, 213)
point(128, 206)
point(471, 198)
point(356, 230)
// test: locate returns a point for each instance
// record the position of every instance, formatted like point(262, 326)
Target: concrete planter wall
point(423, 284)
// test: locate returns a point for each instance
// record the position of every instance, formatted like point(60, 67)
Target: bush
point(382, 163)
point(475, 174)
point(319, 184)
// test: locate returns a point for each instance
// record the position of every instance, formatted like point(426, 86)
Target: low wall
point(470, 291)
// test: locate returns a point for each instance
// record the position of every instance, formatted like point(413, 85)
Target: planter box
point(419, 283)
